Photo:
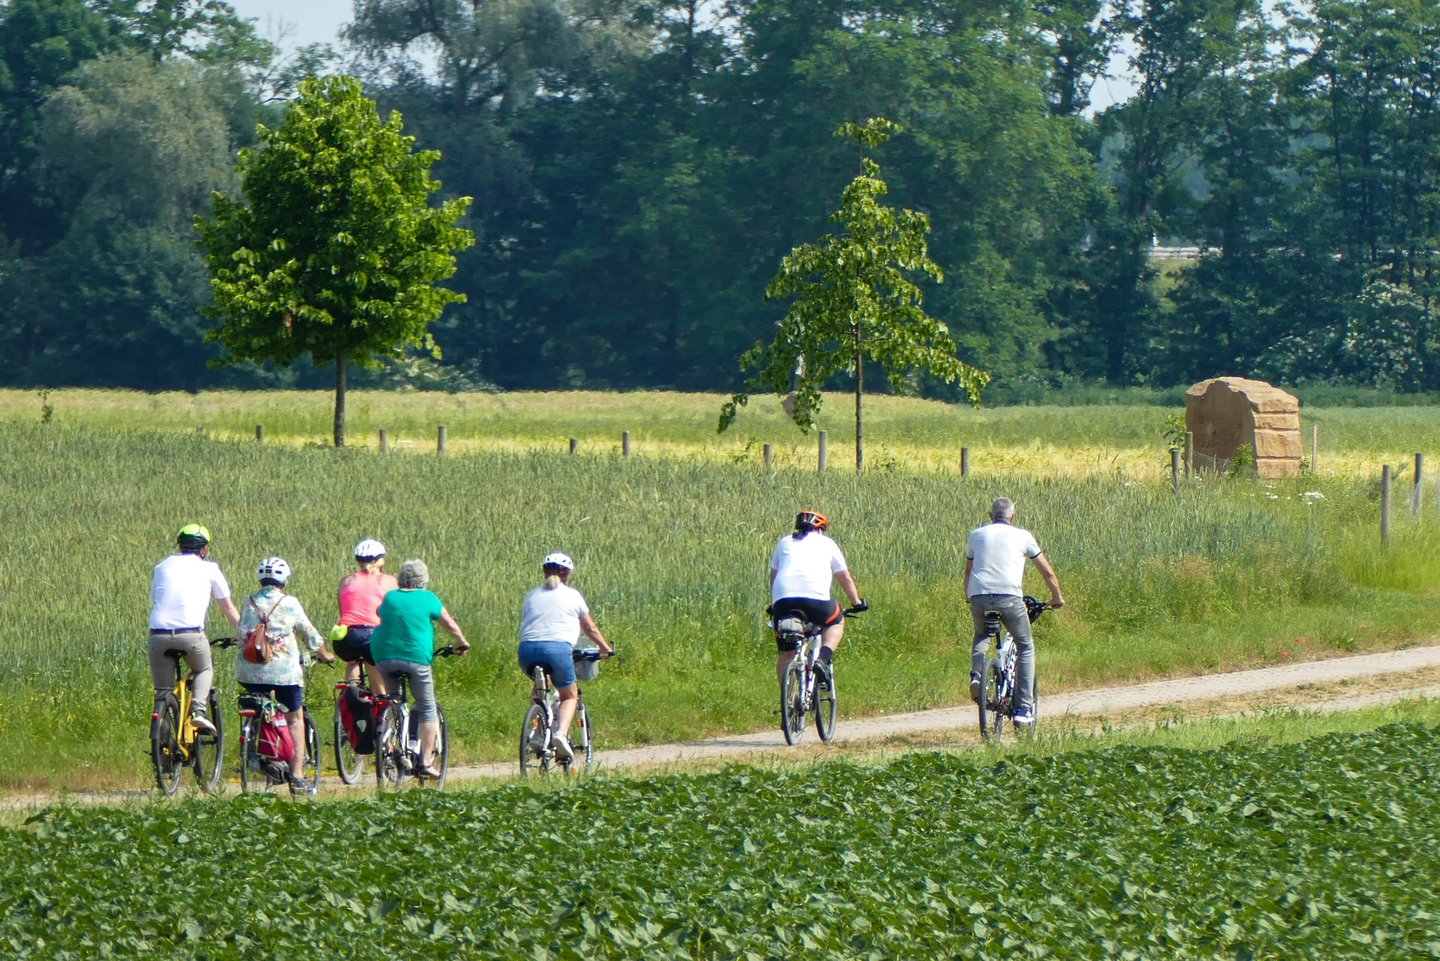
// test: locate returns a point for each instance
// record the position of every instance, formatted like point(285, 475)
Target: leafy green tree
point(336, 252)
point(852, 301)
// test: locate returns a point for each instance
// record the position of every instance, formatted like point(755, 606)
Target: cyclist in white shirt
point(995, 557)
point(551, 619)
point(802, 567)
point(181, 590)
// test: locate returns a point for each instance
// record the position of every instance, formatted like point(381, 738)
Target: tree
point(853, 300)
point(337, 252)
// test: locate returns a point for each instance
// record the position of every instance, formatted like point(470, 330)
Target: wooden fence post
point(384, 441)
point(440, 440)
point(625, 444)
point(824, 452)
point(767, 454)
point(260, 432)
point(1175, 469)
point(574, 444)
point(964, 462)
point(1189, 454)
point(1419, 487)
point(1385, 504)
point(1314, 448)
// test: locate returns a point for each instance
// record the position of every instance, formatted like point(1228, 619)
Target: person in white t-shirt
point(551, 620)
point(181, 590)
point(995, 557)
point(802, 567)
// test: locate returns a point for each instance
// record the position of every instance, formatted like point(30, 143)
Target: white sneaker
point(974, 686)
point(1024, 719)
point(563, 750)
point(202, 723)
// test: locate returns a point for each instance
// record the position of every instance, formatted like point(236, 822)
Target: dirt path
point(1343, 683)
point(1340, 683)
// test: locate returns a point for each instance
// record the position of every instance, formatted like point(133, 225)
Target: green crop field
point(672, 544)
point(1318, 849)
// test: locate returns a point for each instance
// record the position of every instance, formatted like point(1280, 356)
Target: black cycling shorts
point(355, 645)
point(814, 610)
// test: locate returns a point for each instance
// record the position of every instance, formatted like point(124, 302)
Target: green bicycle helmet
point(192, 537)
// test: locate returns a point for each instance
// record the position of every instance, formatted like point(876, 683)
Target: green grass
point(672, 551)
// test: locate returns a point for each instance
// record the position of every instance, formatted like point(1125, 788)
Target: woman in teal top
point(405, 641)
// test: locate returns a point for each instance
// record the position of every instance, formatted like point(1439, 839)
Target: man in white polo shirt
point(995, 557)
point(180, 593)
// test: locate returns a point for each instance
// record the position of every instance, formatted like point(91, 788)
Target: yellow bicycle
point(175, 743)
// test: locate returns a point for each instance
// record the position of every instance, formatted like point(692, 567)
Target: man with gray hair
point(995, 558)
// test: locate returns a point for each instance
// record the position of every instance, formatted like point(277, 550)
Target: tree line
point(640, 168)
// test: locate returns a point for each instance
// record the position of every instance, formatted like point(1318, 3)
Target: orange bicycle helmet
point(811, 520)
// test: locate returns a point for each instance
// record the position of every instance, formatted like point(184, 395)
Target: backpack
point(258, 647)
point(274, 741)
point(357, 713)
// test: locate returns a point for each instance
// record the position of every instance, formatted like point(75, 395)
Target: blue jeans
point(1011, 608)
point(557, 656)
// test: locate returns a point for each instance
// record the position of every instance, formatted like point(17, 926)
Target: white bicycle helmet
point(558, 559)
point(275, 569)
point(369, 549)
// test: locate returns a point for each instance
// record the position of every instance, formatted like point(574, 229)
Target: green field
point(1322, 848)
point(672, 544)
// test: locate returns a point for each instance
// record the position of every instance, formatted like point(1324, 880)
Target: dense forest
point(638, 169)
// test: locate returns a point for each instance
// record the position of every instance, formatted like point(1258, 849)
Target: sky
point(294, 23)
point(302, 21)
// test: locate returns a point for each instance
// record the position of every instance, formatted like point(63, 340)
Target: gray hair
point(1003, 509)
point(413, 574)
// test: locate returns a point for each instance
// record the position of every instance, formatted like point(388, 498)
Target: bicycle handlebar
point(594, 654)
point(1034, 607)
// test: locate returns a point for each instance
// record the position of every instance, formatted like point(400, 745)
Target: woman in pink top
point(360, 595)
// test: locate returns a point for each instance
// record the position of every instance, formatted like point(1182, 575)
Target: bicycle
point(349, 764)
point(262, 773)
point(808, 686)
point(997, 701)
point(175, 743)
point(397, 736)
point(537, 733)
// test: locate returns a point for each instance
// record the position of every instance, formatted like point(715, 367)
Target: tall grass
point(672, 555)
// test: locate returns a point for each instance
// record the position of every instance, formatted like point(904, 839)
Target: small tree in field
point(336, 252)
point(852, 301)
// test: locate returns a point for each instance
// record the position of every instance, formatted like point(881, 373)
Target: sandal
point(427, 773)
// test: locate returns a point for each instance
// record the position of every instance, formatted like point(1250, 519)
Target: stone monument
point(1224, 413)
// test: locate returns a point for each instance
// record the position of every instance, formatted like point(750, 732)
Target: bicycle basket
point(587, 664)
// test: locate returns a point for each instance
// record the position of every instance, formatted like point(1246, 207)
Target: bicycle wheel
point(350, 765)
point(582, 740)
point(250, 774)
point(534, 755)
point(994, 702)
point(165, 745)
point(207, 754)
point(390, 750)
point(311, 770)
point(1028, 730)
point(792, 701)
point(441, 759)
point(825, 704)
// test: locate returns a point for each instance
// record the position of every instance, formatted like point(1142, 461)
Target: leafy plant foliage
point(1318, 849)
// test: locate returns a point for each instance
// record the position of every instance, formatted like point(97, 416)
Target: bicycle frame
point(175, 742)
point(537, 733)
point(998, 702)
point(395, 763)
